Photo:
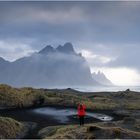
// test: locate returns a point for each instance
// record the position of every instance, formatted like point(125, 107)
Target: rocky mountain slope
point(50, 67)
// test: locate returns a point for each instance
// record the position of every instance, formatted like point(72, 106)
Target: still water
point(62, 115)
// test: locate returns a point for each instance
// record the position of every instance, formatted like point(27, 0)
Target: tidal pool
point(63, 115)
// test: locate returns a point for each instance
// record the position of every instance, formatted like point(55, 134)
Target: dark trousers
point(81, 120)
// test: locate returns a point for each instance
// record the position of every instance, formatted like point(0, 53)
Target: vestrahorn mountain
point(50, 67)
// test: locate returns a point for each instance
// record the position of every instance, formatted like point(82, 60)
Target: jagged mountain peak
point(101, 78)
point(99, 73)
point(66, 48)
point(47, 49)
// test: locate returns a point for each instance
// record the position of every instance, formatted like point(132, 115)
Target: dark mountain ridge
point(50, 67)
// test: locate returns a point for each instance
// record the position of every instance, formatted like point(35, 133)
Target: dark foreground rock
point(103, 130)
point(12, 129)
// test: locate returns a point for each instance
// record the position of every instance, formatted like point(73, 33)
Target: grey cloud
point(118, 55)
point(128, 56)
point(98, 21)
point(105, 28)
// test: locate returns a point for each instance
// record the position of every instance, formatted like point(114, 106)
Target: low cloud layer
point(14, 50)
point(76, 21)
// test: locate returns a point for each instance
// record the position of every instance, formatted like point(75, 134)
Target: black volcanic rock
point(49, 68)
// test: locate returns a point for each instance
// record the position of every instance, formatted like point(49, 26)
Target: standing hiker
point(81, 113)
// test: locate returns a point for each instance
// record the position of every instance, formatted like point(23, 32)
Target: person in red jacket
point(81, 113)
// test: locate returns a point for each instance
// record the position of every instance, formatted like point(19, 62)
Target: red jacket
point(81, 111)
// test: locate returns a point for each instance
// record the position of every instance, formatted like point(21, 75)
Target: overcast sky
point(107, 33)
